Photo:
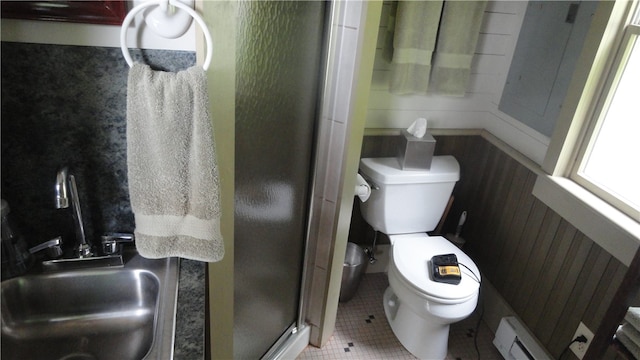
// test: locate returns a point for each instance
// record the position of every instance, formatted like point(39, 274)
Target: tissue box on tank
point(415, 153)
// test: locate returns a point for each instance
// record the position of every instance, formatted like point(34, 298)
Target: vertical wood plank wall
point(496, 43)
point(552, 275)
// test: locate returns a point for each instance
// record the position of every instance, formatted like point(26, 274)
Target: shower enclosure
point(279, 60)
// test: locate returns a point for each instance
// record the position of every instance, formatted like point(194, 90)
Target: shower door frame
point(348, 66)
point(296, 334)
point(352, 63)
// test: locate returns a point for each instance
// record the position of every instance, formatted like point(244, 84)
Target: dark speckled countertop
point(190, 316)
point(66, 105)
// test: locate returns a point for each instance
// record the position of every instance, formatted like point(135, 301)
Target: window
point(590, 173)
point(608, 162)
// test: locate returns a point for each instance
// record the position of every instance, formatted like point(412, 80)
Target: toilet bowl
point(418, 309)
point(405, 205)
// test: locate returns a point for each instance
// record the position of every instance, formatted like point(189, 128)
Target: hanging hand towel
point(172, 169)
point(387, 43)
point(459, 31)
point(415, 31)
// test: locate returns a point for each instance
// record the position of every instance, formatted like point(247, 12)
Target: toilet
point(405, 205)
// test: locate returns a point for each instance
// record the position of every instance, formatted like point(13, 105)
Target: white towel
point(415, 31)
point(631, 332)
point(624, 338)
point(633, 316)
point(457, 40)
point(172, 169)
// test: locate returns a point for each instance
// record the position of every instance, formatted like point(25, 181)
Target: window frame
point(630, 38)
point(613, 230)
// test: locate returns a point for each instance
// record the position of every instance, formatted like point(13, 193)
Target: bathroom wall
point(551, 275)
point(66, 105)
point(478, 109)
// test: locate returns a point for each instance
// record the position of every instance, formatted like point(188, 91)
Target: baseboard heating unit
point(515, 343)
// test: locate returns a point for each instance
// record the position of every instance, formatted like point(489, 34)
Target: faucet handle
point(111, 241)
point(84, 251)
point(53, 247)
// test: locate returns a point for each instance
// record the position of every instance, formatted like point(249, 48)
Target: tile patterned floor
point(362, 331)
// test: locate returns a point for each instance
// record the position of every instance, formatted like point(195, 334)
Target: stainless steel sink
point(97, 313)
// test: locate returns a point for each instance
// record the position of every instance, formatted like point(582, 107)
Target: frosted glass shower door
point(279, 51)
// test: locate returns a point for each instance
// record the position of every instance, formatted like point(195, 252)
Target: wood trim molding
point(90, 12)
point(622, 300)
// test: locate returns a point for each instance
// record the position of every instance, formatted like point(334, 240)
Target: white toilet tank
point(407, 201)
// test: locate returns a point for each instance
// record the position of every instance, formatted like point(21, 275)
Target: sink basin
point(122, 313)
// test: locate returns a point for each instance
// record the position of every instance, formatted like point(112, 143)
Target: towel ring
point(132, 14)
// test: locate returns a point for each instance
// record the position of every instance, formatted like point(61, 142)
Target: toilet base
point(424, 339)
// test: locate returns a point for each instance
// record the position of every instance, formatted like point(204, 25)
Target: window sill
point(614, 231)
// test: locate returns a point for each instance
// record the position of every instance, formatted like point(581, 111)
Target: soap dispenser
point(16, 259)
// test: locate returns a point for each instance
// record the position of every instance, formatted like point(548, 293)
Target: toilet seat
point(411, 254)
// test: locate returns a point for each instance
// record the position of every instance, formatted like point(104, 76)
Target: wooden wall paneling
point(519, 273)
point(551, 316)
point(492, 44)
point(456, 146)
point(389, 146)
point(459, 147)
point(498, 22)
point(560, 248)
point(485, 257)
point(360, 232)
point(478, 214)
point(452, 145)
point(473, 182)
point(379, 146)
point(579, 299)
point(612, 354)
point(492, 206)
point(497, 6)
point(537, 259)
point(604, 293)
point(368, 146)
point(488, 64)
point(625, 295)
point(482, 210)
point(472, 163)
point(513, 233)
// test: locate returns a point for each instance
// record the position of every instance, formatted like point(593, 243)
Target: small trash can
point(355, 262)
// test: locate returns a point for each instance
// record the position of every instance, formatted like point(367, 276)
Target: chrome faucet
point(67, 192)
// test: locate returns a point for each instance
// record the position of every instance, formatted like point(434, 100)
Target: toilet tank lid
point(387, 171)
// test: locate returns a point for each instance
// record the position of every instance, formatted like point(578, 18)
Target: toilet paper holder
point(362, 189)
point(372, 184)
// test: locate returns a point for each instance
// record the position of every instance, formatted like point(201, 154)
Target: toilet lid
point(412, 254)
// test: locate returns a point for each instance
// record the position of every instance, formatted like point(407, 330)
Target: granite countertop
point(190, 313)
